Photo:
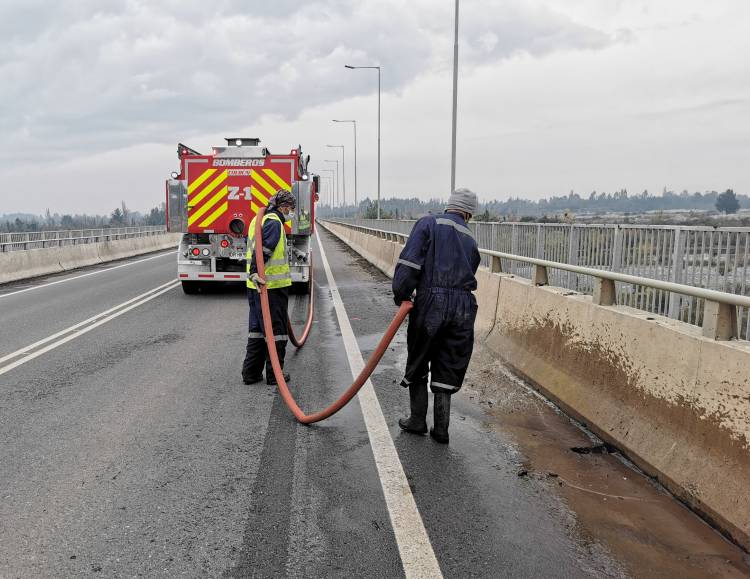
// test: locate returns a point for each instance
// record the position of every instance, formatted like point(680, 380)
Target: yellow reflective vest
point(278, 274)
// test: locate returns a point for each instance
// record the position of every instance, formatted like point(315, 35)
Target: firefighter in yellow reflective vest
point(304, 221)
point(278, 279)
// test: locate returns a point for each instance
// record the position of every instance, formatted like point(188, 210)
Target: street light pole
point(337, 178)
point(378, 69)
point(356, 198)
point(455, 103)
point(329, 180)
point(343, 171)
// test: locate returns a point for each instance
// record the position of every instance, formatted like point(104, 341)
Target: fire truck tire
point(301, 288)
point(191, 287)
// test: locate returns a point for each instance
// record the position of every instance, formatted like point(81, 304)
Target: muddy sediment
point(615, 504)
point(676, 440)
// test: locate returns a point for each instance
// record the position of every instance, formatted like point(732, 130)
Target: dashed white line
point(417, 555)
point(33, 351)
point(36, 287)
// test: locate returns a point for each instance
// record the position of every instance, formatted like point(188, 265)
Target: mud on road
point(616, 505)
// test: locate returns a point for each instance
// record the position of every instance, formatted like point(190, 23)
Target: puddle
point(615, 505)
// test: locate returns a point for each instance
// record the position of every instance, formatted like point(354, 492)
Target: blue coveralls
point(440, 261)
point(256, 354)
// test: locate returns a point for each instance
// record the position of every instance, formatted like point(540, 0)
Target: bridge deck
point(134, 448)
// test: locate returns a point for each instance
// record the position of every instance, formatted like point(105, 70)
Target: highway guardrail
point(42, 239)
point(717, 313)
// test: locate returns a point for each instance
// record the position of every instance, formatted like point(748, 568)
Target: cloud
point(585, 94)
point(97, 75)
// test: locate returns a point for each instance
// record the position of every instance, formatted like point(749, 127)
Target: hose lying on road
point(273, 354)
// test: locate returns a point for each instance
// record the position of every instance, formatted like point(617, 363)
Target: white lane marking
point(97, 320)
point(417, 556)
point(36, 287)
point(26, 349)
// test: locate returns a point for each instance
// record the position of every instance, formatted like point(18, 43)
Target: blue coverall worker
point(439, 261)
point(278, 280)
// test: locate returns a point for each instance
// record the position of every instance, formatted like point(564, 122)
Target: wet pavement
point(135, 450)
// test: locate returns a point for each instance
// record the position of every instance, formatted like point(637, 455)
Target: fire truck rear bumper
point(298, 273)
point(196, 276)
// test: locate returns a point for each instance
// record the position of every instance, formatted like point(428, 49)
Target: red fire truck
point(213, 198)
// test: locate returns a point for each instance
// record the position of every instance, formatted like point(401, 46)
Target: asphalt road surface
point(131, 448)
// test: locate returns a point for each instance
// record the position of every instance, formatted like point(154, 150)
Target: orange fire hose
point(273, 354)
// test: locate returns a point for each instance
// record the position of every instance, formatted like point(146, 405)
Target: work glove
point(398, 299)
point(256, 279)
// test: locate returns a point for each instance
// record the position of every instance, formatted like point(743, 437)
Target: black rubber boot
point(270, 377)
point(442, 407)
point(417, 422)
point(252, 367)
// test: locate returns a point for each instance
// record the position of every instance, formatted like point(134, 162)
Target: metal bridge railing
point(42, 239)
point(698, 275)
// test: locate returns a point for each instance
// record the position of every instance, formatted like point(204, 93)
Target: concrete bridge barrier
point(675, 402)
point(23, 264)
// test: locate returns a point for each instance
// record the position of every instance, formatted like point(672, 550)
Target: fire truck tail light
point(206, 252)
point(224, 243)
point(196, 251)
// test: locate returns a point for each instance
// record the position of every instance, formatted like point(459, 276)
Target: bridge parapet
point(65, 253)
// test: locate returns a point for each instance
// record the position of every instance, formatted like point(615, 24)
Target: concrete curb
point(25, 264)
point(675, 402)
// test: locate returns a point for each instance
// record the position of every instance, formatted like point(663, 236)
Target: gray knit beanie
point(463, 200)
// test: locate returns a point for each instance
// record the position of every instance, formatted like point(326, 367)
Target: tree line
point(121, 216)
point(557, 207)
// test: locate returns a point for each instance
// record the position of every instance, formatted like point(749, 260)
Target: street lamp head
point(349, 66)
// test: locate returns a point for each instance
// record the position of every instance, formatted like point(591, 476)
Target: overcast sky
point(554, 95)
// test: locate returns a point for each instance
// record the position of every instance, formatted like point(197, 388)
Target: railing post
point(678, 254)
point(540, 241)
point(513, 246)
point(496, 266)
point(573, 255)
point(604, 292)
point(719, 321)
point(540, 275)
point(617, 249)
